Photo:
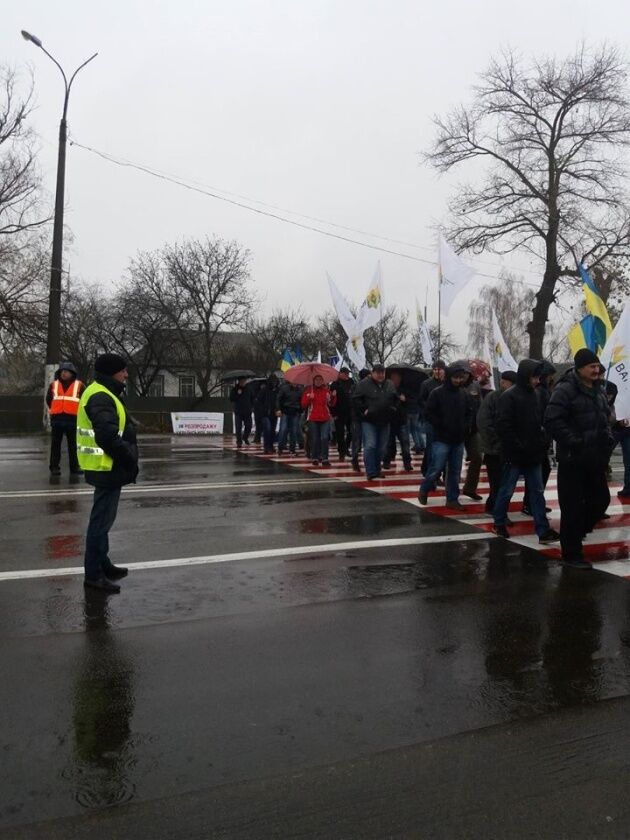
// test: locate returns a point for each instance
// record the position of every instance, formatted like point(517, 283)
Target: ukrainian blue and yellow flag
point(594, 329)
point(286, 361)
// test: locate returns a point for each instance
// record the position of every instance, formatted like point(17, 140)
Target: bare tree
point(23, 291)
point(551, 136)
point(412, 352)
point(386, 342)
point(200, 288)
point(284, 328)
point(20, 195)
point(510, 298)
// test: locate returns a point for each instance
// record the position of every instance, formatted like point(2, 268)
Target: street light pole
point(53, 339)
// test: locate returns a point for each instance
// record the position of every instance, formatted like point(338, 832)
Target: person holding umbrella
point(318, 400)
point(242, 400)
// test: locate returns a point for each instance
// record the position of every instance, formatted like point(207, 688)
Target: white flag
point(426, 344)
point(454, 274)
point(615, 358)
point(340, 360)
point(371, 310)
point(355, 351)
point(504, 359)
point(487, 358)
point(344, 313)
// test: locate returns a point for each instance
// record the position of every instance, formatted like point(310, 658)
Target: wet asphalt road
point(445, 689)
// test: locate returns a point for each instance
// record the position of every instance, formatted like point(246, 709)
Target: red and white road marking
point(607, 548)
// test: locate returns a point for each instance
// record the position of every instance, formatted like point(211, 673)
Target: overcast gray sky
point(318, 107)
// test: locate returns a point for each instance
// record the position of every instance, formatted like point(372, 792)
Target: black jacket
point(265, 402)
point(379, 399)
point(488, 424)
point(520, 420)
point(426, 389)
point(288, 399)
point(343, 406)
point(449, 411)
point(242, 399)
point(578, 419)
point(101, 410)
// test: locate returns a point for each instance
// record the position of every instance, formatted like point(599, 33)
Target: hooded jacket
point(449, 410)
point(101, 410)
point(578, 419)
point(57, 419)
point(520, 420)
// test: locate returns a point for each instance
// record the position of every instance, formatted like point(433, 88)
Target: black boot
point(115, 572)
point(103, 584)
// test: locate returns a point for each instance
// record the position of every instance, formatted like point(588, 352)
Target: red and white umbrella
point(305, 373)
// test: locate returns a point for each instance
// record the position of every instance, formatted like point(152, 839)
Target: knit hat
point(109, 364)
point(585, 357)
point(509, 376)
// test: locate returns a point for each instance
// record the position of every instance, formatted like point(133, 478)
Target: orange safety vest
point(65, 401)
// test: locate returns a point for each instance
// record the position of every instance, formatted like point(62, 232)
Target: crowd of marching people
point(516, 431)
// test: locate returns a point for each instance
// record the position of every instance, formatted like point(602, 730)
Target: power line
point(246, 203)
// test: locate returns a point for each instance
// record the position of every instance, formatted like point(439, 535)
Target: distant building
point(167, 363)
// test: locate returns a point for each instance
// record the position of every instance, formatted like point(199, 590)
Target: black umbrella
point(411, 375)
point(232, 375)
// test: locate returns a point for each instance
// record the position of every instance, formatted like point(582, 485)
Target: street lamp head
point(28, 37)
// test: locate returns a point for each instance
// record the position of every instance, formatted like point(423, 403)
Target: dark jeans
point(400, 433)
point(416, 431)
point(584, 496)
point(58, 430)
point(533, 480)
point(447, 456)
point(319, 431)
point(375, 440)
point(426, 460)
point(494, 466)
point(259, 427)
point(289, 428)
point(343, 429)
point(546, 472)
point(243, 423)
point(102, 517)
point(473, 451)
point(357, 440)
point(269, 433)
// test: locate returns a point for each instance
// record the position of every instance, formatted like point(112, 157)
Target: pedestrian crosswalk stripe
point(607, 548)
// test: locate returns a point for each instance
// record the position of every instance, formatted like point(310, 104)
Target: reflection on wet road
point(210, 678)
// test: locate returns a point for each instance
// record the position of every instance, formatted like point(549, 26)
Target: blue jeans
point(268, 433)
point(319, 431)
point(534, 481)
point(289, 427)
point(102, 517)
point(428, 442)
point(416, 431)
point(375, 442)
point(449, 456)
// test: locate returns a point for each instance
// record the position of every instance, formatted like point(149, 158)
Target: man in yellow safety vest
point(108, 453)
point(62, 400)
